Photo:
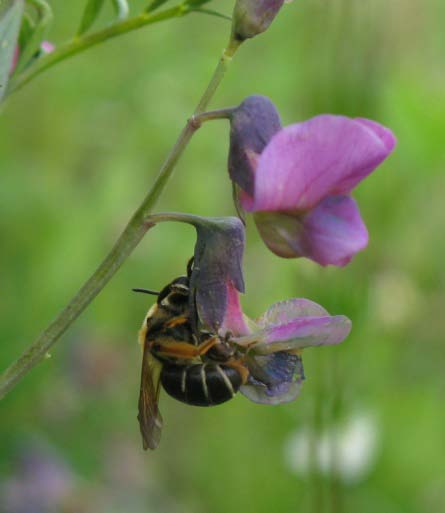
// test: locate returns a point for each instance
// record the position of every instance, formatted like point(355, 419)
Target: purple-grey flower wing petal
point(333, 232)
point(274, 378)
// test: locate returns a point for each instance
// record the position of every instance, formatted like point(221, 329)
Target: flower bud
point(251, 17)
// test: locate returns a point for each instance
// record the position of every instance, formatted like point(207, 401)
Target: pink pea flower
point(297, 180)
point(274, 344)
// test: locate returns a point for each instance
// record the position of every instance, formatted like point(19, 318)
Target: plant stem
point(80, 44)
point(129, 239)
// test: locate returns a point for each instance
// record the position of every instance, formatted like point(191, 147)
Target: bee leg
point(242, 370)
point(184, 349)
point(177, 321)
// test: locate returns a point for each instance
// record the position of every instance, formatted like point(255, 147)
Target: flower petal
point(298, 334)
point(381, 132)
point(274, 379)
point(47, 47)
point(334, 231)
point(234, 320)
point(331, 233)
point(284, 312)
point(326, 155)
point(258, 393)
point(281, 232)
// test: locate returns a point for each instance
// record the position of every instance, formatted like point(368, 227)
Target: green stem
point(80, 44)
point(316, 429)
point(129, 239)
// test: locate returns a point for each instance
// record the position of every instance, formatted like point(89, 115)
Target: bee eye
point(177, 298)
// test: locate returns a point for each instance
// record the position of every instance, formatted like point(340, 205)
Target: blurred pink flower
point(297, 180)
point(47, 47)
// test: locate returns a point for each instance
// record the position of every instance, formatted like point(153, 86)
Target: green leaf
point(9, 31)
point(32, 34)
point(196, 3)
point(91, 12)
point(155, 4)
point(26, 30)
point(121, 8)
point(211, 12)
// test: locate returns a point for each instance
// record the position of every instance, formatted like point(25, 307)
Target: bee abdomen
point(204, 384)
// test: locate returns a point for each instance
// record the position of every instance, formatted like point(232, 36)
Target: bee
point(201, 368)
point(193, 365)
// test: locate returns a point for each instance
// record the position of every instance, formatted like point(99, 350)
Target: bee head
point(175, 295)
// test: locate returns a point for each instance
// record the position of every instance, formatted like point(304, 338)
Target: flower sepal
point(217, 265)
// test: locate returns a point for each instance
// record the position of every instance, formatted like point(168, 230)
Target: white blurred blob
point(394, 298)
point(348, 449)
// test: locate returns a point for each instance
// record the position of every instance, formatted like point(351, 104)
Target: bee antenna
point(147, 291)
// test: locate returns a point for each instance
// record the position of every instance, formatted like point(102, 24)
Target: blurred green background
point(79, 146)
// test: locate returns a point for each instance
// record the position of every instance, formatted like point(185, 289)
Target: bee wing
point(274, 378)
point(149, 417)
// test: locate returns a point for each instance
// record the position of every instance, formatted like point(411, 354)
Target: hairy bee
point(192, 365)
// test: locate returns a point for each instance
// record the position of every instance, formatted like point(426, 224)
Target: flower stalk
point(129, 239)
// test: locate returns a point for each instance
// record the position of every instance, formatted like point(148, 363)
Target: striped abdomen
point(203, 384)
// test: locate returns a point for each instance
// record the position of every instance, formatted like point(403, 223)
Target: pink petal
point(305, 332)
point(284, 312)
point(47, 47)
point(380, 131)
point(334, 232)
point(298, 334)
point(326, 155)
point(331, 233)
point(234, 321)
